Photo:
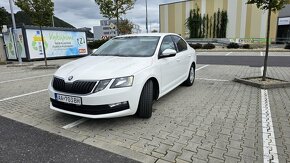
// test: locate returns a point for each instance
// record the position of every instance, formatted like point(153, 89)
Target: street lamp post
point(13, 33)
point(146, 17)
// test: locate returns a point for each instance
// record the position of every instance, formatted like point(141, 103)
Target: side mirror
point(168, 53)
point(94, 50)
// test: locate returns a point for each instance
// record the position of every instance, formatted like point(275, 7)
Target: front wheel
point(191, 76)
point(146, 101)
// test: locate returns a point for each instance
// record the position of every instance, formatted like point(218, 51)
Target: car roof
point(148, 34)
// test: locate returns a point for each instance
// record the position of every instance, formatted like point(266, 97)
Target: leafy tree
point(271, 6)
point(114, 8)
point(3, 17)
point(125, 27)
point(40, 12)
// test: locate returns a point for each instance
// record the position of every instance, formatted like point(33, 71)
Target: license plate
point(68, 99)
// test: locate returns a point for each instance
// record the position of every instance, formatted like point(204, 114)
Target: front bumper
point(96, 105)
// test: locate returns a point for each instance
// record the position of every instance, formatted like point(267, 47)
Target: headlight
point(123, 82)
point(102, 85)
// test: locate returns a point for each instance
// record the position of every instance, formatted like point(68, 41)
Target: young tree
point(3, 17)
point(40, 12)
point(114, 8)
point(125, 27)
point(271, 6)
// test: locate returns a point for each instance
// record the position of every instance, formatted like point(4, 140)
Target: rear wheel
point(146, 101)
point(191, 76)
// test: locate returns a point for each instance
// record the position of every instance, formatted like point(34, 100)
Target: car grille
point(77, 87)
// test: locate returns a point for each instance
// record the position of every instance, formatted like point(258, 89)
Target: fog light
point(118, 104)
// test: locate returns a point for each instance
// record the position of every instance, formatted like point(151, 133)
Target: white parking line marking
point(221, 80)
point(32, 77)
point(12, 72)
point(26, 94)
point(201, 67)
point(73, 124)
point(269, 145)
point(229, 53)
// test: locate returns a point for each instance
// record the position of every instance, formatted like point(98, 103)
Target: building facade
point(283, 31)
point(244, 21)
point(107, 28)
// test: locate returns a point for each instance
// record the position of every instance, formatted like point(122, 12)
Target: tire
point(191, 76)
point(146, 101)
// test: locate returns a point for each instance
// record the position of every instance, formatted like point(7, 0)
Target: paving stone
point(186, 155)
point(218, 154)
point(170, 156)
point(177, 147)
point(162, 148)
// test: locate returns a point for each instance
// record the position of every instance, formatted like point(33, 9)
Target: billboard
point(10, 48)
point(57, 43)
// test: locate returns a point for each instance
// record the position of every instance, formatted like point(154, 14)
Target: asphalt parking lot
point(215, 120)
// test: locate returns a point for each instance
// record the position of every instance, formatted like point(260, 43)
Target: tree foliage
point(274, 5)
point(40, 11)
point(114, 8)
point(3, 17)
point(125, 27)
point(206, 26)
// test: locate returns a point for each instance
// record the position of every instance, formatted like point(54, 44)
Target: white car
point(123, 77)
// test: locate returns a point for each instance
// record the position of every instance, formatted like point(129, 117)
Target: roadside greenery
point(3, 18)
point(114, 8)
point(207, 26)
point(125, 27)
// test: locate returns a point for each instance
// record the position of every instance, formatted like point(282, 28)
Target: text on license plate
point(68, 99)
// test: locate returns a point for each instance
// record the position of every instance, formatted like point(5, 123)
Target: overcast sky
point(85, 13)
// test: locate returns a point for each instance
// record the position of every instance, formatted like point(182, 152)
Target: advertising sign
point(57, 43)
point(284, 21)
point(10, 48)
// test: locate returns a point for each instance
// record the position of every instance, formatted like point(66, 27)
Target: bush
point(246, 46)
point(196, 46)
point(287, 46)
point(233, 45)
point(208, 46)
point(96, 44)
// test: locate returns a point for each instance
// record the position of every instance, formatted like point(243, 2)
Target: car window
point(133, 46)
point(180, 43)
point(167, 43)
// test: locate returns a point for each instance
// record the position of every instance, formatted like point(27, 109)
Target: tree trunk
point(267, 45)
point(42, 40)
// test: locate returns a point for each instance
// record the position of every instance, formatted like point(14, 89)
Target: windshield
point(135, 46)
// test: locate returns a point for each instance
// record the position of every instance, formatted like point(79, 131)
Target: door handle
point(178, 60)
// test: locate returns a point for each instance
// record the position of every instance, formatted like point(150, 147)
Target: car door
point(183, 56)
point(167, 65)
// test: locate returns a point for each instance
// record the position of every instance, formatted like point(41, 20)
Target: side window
point(167, 43)
point(180, 43)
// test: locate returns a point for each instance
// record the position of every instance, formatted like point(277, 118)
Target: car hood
point(103, 67)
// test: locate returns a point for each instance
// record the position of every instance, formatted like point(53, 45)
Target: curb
point(43, 67)
point(20, 65)
point(238, 50)
point(246, 81)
